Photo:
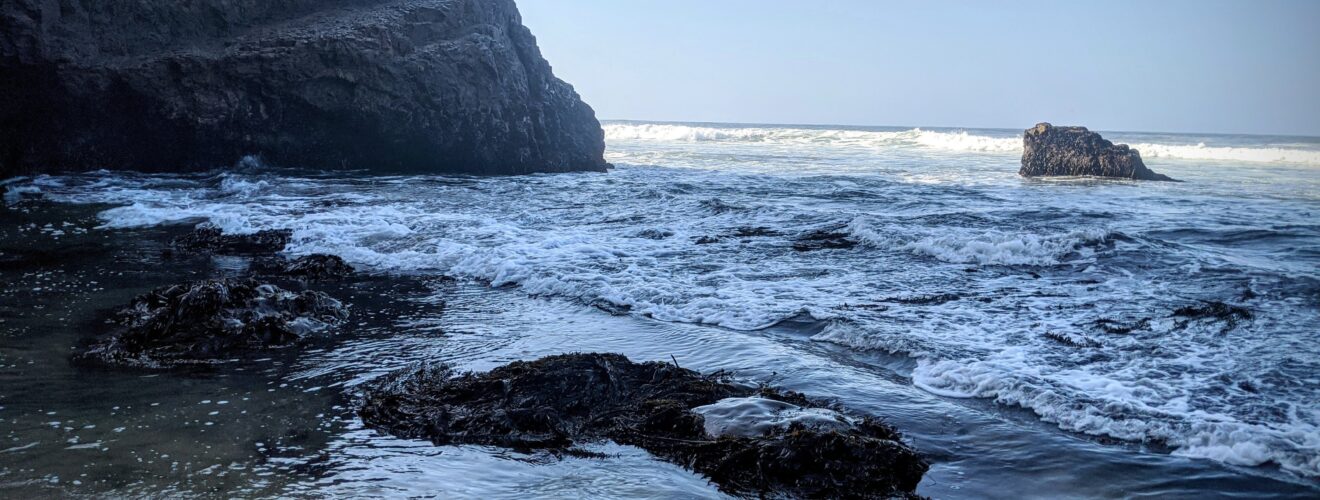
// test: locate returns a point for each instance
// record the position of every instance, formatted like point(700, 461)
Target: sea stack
point(424, 86)
point(1075, 151)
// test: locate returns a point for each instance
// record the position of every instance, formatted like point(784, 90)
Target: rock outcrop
point(443, 86)
point(1075, 151)
point(207, 321)
point(749, 441)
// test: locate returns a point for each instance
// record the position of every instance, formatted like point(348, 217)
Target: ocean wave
point(1102, 406)
point(986, 246)
point(963, 141)
point(1253, 155)
point(764, 135)
point(948, 141)
point(952, 141)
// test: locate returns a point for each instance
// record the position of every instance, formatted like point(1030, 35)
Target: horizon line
point(959, 127)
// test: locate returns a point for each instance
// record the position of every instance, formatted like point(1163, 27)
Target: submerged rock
point(824, 239)
point(452, 86)
point(933, 299)
point(317, 266)
point(754, 232)
point(1075, 151)
point(212, 239)
point(554, 403)
point(706, 240)
point(205, 321)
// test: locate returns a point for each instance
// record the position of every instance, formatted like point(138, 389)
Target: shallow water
point(982, 313)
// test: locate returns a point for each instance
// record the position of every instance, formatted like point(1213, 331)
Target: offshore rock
point(204, 322)
point(1075, 151)
point(797, 450)
point(425, 86)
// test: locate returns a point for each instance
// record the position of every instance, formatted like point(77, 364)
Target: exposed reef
point(427, 86)
point(1075, 151)
point(749, 441)
point(204, 322)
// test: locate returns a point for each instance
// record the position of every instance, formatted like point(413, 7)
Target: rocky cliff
point(454, 86)
point(1053, 151)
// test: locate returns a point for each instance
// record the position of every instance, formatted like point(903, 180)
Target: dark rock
point(754, 232)
point(317, 266)
point(1120, 328)
point(1071, 339)
point(1075, 151)
point(718, 206)
point(935, 299)
point(824, 239)
point(212, 240)
point(1230, 315)
point(203, 322)
point(455, 86)
point(706, 240)
point(611, 307)
point(556, 402)
point(655, 234)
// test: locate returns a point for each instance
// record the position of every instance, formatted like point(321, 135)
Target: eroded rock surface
point(559, 401)
point(1048, 150)
point(435, 86)
point(207, 321)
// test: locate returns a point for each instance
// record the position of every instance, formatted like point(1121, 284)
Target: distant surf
point(980, 141)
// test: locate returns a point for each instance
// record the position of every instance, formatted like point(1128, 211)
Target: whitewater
point(1064, 298)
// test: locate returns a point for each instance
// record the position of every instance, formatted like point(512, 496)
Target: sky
point(1158, 66)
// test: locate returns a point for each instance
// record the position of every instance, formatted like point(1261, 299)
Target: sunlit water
point(979, 312)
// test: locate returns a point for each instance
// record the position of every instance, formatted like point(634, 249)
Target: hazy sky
point(1193, 66)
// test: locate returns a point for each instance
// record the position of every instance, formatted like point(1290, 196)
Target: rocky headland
point(418, 86)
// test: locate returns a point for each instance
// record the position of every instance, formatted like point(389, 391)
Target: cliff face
point(1053, 151)
point(452, 86)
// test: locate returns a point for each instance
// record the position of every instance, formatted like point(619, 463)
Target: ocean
point(1036, 338)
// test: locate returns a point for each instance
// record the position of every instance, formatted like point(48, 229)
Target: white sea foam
point(964, 141)
point(1124, 409)
point(1203, 152)
point(984, 246)
point(948, 141)
point(755, 416)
